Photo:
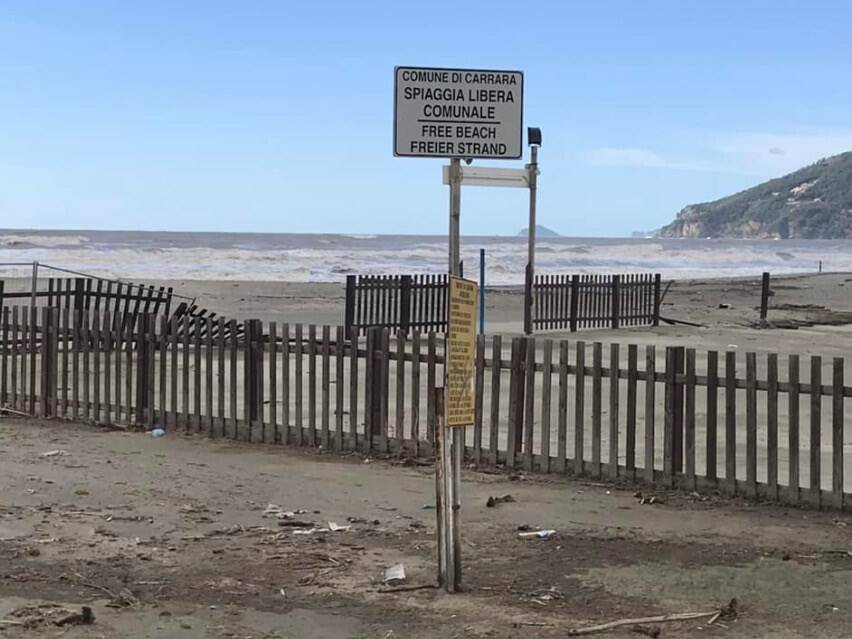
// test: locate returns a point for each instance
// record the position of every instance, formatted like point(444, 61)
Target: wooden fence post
point(79, 288)
point(405, 303)
point(528, 300)
point(142, 364)
point(657, 300)
point(349, 313)
point(615, 299)
point(679, 391)
point(764, 296)
point(575, 298)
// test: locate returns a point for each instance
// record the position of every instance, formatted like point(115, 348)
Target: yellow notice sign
point(461, 352)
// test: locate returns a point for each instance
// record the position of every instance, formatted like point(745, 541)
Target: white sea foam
point(19, 240)
point(329, 258)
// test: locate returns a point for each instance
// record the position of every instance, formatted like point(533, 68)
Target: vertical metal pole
point(482, 291)
point(34, 286)
point(529, 274)
point(453, 456)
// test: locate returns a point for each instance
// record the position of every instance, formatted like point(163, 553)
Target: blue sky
point(277, 116)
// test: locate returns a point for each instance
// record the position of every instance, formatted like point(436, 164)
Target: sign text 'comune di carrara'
point(463, 113)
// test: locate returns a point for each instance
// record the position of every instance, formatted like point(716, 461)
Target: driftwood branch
point(683, 616)
point(407, 588)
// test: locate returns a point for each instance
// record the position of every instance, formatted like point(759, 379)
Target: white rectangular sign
point(489, 176)
point(458, 113)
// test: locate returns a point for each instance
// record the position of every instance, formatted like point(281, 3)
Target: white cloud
point(632, 156)
point(774, 154)
point(762, 155)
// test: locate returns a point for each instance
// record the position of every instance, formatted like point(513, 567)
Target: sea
point(140, 256)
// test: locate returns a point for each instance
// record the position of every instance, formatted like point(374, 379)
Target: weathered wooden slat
point(816, 432)
point(66, 350)
point(837, 434)
point(689, 420)
point(529, 405)
point(614, 363)
point(339, 386)
point(731, 421)
point(298, 386)
point(399, 426)
point(233, 357)
point(546, 381)
point(5, 351)
point(220, 376)
point(353, 393)
point(751, 424)
point(579, 407)
point(106, 337)
point(86, 362)
point(515, 381)
point(711, 442)
point(669, 417)
point(259, 424)
point(415, 391)
point(430, 386)
point(312, 385)
point(772, 426)
point(273, 382)
point(630, 426)
point(284, 435)
point(326, 387)
point(186, 321)
point(494, 426)
point(479, 394)
point(96, 365)
point(196, 373)
point(150, 341)
point(15, 396)
point(173, 373)
point(597, 396)
point(208, 377)
point(562, 408)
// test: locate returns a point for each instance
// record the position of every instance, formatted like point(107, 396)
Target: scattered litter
point(280, 513)
point(505, 499)
point(49, 540)
point(53, 614)
point(732, 346)
point(428, 507)
point(54, 453)
point(282, 592)
point(538, 534)
point(333, 527)
point(82, 618)
point(543, 596)
point(651, 500)
point(295, 523)
point(157, 432)
point(724, 305)
point(394, 573)
point(304, 531)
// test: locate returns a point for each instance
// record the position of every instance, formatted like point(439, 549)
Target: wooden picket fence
point(740, 424)
point(395, 302)
point(595, 301)
point(92, 294)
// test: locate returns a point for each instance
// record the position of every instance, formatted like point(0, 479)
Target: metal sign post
point(529, 272)
point(458, 114)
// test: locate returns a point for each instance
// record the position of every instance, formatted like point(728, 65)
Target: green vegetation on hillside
point(812, 203)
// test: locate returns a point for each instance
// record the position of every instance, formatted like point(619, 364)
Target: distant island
point(540, 231)
point(812, 203)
